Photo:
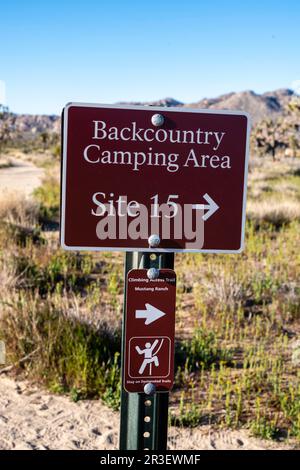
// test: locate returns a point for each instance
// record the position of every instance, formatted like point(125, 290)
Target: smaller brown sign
point(149, 330)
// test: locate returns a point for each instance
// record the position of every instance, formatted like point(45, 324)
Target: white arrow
point(150, 314)
point(211, 206)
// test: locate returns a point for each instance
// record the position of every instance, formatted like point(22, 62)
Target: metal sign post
point(144, 417)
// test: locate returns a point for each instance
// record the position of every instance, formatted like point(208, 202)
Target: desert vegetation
point(238, 316)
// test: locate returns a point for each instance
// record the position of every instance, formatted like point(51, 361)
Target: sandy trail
point(23, 177)
point(31, 418)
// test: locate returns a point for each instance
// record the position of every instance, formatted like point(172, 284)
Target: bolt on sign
point(132, 171)
point(149, 331)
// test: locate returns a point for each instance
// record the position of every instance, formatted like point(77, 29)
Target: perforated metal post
point(144, 418)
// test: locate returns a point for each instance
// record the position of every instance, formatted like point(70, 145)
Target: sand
point(23, 177)
point(32, 418)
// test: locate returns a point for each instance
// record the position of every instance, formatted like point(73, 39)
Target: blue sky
point(53, 52)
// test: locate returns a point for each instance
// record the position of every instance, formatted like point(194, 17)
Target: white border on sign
point(150, 109)
point(149, 376)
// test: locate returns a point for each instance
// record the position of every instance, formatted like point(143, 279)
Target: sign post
point(151, 181)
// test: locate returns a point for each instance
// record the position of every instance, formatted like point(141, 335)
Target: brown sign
point(149, 330)
point(132, 171)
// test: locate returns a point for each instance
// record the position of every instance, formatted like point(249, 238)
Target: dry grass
point(17, 210)
point(274, 191)
point(277, 212)
point(6, 162)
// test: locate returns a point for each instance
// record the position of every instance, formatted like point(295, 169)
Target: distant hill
point(28, 126)
point(266, 105)
point(163, 102)
point(259, 106)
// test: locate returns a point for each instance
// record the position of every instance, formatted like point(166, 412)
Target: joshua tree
point(268, 137)
point(294, 105)
point(45, 139)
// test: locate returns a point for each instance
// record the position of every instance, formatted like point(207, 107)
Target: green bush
point(64, 270)
point(200, 351)
point(265, 429)
point(71, 356)
point(48, 197)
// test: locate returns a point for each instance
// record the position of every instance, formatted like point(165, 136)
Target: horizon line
point(136, 102)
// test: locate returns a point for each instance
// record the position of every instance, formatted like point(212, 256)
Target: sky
point(96, 51)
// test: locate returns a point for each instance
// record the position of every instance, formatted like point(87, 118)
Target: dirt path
point(22, 177)
point(31, 418)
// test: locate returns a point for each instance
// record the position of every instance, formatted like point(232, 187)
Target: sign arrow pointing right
point(151, 314)
point(211, 206)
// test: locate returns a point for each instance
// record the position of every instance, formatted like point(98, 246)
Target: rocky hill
point(163, 102)
point(30, 125)
point(259, 106)
point(267, 105)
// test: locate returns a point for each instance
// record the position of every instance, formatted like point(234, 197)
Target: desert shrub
point(18, 211)
point(48, 198)
point(189, 413)
point(56, 151)
point(5, 162)
point(60, 270)
point(263, 426)
point(265, 429)
point(18, 221)
point(277, 213)
point(70, 354)
point(200, 351)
